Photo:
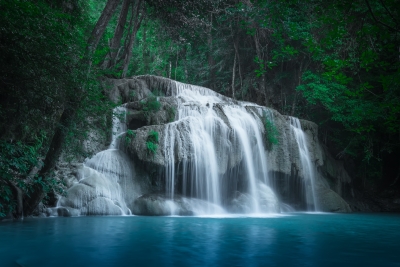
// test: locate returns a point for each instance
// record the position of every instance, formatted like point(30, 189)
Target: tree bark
point(236, 45)
point(17, 192)
point(32, 201)
point(233, 76)
point(235, 39)
point(145, 54)
point(261, 58)
point(54, 152)
point(137, 17)
point(101, 25)
point(116, 40)
point(211, 75)
point(176, 63)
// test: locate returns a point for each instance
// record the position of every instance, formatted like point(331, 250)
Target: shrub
point(130, 134)
point(149, 106)
point(171, 111)
point(152, 141)
point(271, 133)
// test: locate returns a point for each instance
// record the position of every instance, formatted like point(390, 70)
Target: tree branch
point(378, 21)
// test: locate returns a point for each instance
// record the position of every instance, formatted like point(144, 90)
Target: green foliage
point(16, 161)
point(271, 133)
point(341, 56)
point(130, 134)
point(341, 64)
point(261, 67)
point(152, 141)
point(150, 106)
point(46, 75)
point(151, 147)
point(153, 137)
point(171, 111)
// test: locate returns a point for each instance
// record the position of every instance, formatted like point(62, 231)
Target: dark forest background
point(332, 62)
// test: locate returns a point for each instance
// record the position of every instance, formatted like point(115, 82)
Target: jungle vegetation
point(336, 63)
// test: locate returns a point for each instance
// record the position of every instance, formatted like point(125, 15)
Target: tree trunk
point(54, 152)
point(235, 39)
point(137, 17)
point(145, 54)
point(116, 40)
point(101, 25)
point(18, 193)
point(300, 72)
point(211, 75)
point(176, 63)
point(293, 104)
point(233, 76)
point(262, 88)
point(32, 201)
point(236, 45)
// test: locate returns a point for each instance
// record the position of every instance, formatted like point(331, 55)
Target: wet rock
point(329, 201)
point(160, 205)
point(68, 212)
point(101, 206)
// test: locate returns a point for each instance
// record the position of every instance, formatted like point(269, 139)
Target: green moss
point(271, 133)
point(152, 141)
point(130, 134)
point(149, 106)
point(171, 114)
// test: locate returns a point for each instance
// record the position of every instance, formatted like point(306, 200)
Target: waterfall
point(118, 126)
point(218, 156)
point(104, 177)
point(113, 163)
point(223, 136)
point(308, 170)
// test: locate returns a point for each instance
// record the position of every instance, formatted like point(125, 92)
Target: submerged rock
point(160, 205)
point(265, 201)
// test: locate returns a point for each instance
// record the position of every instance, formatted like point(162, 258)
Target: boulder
point(329, 201)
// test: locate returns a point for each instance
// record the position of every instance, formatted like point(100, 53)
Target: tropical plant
point(152, 142)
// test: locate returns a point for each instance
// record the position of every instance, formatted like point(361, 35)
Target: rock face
point(193, 151)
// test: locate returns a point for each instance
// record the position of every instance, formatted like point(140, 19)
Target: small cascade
point(118, 126)
point(104, 177)
point(307, 168)
point(113, 163)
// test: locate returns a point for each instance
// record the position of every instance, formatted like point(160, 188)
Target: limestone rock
point(329, 201)
point(102, 206)
point(95, 194)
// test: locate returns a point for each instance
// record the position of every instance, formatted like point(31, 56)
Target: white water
point(215, 161)
point(217, 145)
point(113, 164)
point(307, 166)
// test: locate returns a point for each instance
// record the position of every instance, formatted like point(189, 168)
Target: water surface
point(297, 239)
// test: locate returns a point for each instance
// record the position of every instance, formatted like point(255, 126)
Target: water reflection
point(300, 240)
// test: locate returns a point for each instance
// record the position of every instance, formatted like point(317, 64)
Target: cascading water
point(306, 164)
point(216, 157)
point(223, 136)
point(113, 163)
point(101, 178)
